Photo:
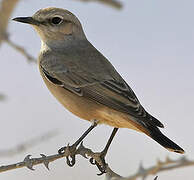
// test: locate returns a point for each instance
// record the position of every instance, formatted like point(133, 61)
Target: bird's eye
point(56, 20)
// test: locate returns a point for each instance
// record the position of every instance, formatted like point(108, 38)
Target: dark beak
point(28, 20)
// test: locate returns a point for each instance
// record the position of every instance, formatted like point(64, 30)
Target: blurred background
point(150, 43)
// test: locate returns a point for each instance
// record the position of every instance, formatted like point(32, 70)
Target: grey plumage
point(84, 81)
point(85, 70)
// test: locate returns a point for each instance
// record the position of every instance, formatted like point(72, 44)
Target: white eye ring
point(56, 20)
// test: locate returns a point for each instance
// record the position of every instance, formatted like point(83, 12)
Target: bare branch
point(167, 165)
point(6, 9)
point(28, 144)
point(111, 175)
point(21, 50)
point(143, 173)
point(30, 162)
point(112, 3)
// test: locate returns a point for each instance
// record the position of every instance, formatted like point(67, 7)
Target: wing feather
point(98, 81)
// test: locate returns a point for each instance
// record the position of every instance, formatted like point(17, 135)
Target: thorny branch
point(22, 147)
point(30, 162)
point(168, 164)
point(6, 8)
point(160, 166)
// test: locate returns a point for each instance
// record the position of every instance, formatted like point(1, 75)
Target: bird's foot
point(71, 150)
point(98, 159)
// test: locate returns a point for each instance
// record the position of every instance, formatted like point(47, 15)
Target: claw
point(71, 150)
point(101, 168)
point(92, 161)
point(100, 174)
point(71, 162)
point(62, 150)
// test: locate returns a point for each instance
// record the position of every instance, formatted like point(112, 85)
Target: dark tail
point(157, 135)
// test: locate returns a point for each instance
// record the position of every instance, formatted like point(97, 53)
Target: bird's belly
point(88, 109)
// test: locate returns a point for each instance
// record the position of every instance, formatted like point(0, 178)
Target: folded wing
point(107, 88)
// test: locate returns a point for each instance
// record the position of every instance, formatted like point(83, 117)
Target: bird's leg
point(101, 164)
point(72, 148)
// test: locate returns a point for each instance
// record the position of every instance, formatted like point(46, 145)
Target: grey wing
point(111, 91)
point(119, 96)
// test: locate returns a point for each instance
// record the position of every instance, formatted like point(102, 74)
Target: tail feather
point(157, 135)
point(155, 122)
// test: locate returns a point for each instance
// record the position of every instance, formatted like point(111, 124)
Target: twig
point(2, 97)
point(21, 50)
point(112, 3)
point(111, 175)
point(30, 162)
point(167, 165)
point(6, 9)
point(143, 173)
point(28, 144)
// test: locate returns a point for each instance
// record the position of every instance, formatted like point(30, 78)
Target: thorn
point(159, 162)
point(183, 159)
point(167, 159)
point(141, 168)
point(27, 158)
point(68, 149)
point(82, 144)
point(45, 162)
point(28, 162)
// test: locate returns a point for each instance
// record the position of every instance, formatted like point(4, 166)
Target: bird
point(85, 82)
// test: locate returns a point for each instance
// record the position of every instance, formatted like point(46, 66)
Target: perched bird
point(85, 82)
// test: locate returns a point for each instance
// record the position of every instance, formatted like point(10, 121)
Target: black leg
point(102, 155)
point(94, 124)
point(110, 141)
point(72, 148)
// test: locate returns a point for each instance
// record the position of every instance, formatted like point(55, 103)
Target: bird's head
point(54, 24)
